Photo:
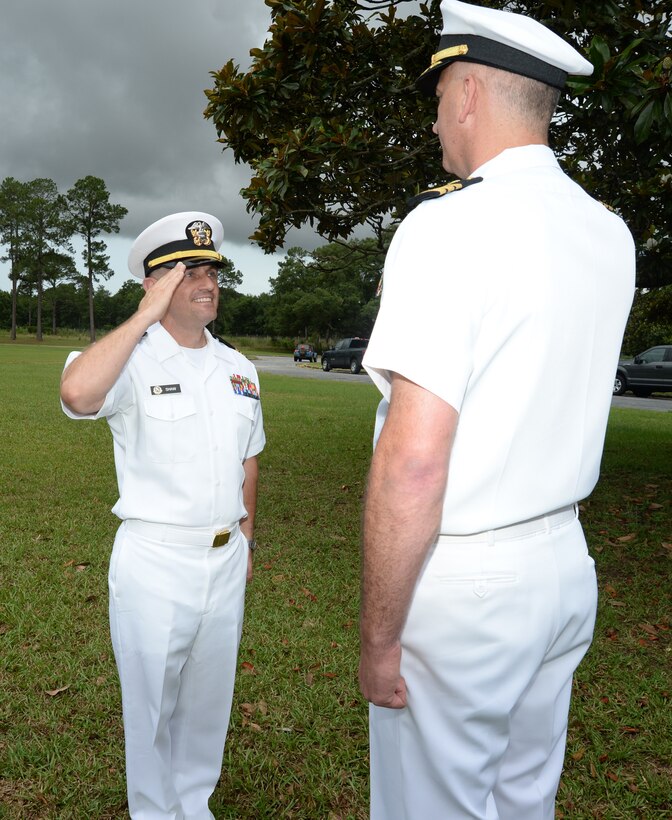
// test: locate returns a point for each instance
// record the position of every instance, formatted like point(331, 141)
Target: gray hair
point(529, 101)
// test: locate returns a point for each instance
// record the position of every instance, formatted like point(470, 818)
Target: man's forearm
point(88, 379)
point(403, 506)
point(251, 468)
point(401, 519)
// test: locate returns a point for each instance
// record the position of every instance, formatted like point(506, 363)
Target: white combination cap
point(185, 237)
point(501, 39)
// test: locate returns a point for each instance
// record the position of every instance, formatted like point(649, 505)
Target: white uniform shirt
point(181, 432)
point(508, 300)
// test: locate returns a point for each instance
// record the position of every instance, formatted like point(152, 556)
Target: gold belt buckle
point(221, 538)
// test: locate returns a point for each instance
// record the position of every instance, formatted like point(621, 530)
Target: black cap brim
point(472, 48)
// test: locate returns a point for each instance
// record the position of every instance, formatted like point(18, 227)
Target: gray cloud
point(115, 90)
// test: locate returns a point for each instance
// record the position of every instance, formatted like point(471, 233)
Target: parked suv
point(651, 370)
point(303, 351)
point(346, 353)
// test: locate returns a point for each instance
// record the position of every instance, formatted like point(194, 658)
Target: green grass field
point(297, 745)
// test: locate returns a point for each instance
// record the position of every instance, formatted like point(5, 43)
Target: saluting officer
point(478, 593)
point(186, 422)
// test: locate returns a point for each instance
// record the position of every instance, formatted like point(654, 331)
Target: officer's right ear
point(148, 282)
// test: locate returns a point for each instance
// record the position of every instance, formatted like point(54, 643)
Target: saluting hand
point(159, 293)
point(88, 379)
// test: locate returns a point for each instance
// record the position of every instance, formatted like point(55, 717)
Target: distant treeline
point(280, 314)
point(316, 296)
point(66, 308)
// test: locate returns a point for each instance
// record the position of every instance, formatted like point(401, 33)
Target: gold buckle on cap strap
point(453, 51)
point(221, 538)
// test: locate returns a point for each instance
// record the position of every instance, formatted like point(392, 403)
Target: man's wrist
point(252, 544)
point(378, 645)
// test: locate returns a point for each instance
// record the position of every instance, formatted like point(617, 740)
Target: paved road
point(285, 366)
point(663, 403)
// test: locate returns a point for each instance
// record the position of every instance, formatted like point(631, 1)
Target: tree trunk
point(38, 334)
point(92, 324)
point(12, 334)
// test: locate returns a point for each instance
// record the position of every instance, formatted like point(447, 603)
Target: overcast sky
point(114, 88)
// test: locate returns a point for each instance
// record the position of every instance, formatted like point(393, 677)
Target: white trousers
point(176, 614)
point(494, 634)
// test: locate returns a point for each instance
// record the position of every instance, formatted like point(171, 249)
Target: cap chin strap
point(177, 256)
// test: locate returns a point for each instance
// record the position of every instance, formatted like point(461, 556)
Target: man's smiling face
point(196, 297)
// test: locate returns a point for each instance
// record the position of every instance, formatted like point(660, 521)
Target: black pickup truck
point(346, 353)
point(650, 371)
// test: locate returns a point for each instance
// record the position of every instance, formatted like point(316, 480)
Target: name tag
point(165, 389)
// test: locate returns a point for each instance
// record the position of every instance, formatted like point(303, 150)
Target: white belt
point(542, 523)
point(191, 536)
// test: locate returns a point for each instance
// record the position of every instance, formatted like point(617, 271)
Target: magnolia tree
point(336, 136)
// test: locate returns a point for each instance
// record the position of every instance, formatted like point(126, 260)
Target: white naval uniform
point(181, 433)
point(519, 288)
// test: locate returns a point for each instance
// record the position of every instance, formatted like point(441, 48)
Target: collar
point(220, 350)
point(513, 160)
point(161, 342)
point(165, 347)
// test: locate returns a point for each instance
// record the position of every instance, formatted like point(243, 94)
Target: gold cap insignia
point(200, 233)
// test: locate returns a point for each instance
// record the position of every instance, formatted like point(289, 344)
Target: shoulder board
point(224, 342)
point(442, 190)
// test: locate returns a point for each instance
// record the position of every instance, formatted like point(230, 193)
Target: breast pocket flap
point(170, 408)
